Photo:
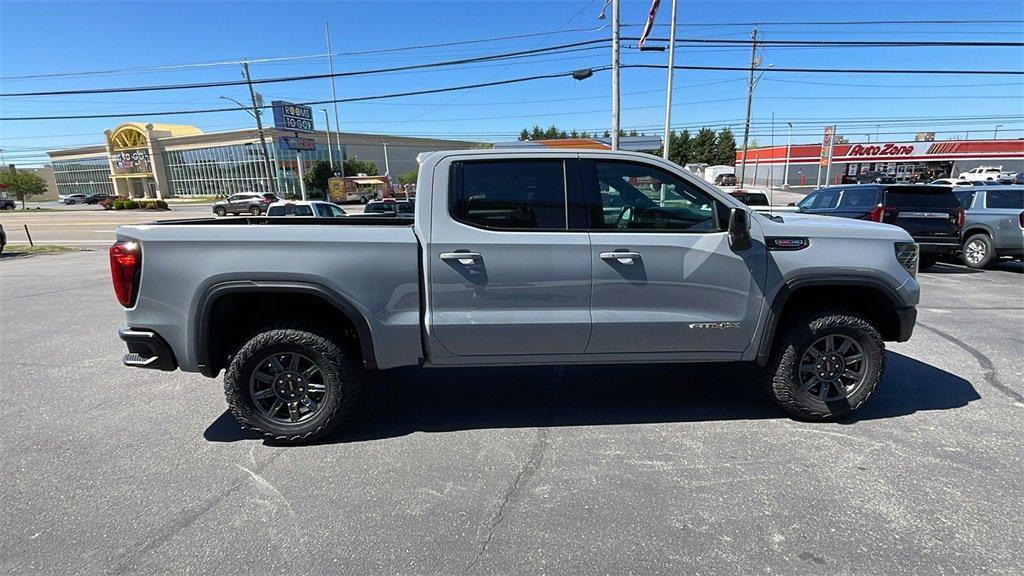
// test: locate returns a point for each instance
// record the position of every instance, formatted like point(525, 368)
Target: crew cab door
point(506, 276)
point(665, 277)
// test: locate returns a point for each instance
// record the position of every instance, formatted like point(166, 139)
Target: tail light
point(876, 214)
point(961, 217)
point(125, 266)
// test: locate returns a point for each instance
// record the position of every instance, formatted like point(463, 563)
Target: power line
point(837, 70)
point(194, 85)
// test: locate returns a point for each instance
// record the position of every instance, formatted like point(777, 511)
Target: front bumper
point(906, 317)
point(147, 349)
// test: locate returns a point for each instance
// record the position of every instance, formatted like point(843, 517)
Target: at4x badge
point(715, 325)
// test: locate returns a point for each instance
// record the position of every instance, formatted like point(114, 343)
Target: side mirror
point(739, 229)
point(791, 204)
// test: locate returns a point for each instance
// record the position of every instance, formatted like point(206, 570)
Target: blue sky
point(49, 37)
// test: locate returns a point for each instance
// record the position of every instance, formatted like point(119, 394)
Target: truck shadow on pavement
point(400, 402)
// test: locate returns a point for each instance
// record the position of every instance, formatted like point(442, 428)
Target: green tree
point(524, 135)
point(408, 178)
point(679, 148)
point(317, 174)
point(23, 183)
point(536, 133)
point(725, 148)
point(703, 147)
point(355, 166)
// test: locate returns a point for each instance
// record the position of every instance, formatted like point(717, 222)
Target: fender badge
point(715, 325)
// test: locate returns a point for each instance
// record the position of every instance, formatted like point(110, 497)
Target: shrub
point(118, 205)
point(131, 205)
point(162, 205)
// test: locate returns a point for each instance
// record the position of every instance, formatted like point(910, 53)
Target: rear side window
point(860, 198)
point(1005, 199)
point(510, 194)
point(965, 197)
point(920, 197)
point(381, 208)
point(756, 199)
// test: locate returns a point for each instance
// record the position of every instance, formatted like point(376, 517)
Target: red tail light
point(960, 218)
point(876, 214)
point(125, 265)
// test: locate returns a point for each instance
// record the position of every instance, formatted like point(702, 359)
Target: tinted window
point(641, 197)
point(808, 200)
point(921, 197)
point(405, 208)
point(826, 199)
point(511, 194)
point(378, 208)
point(853, 198)
point(965, 197)
point(289, 210)
point(756, 199)
point(1005, 199)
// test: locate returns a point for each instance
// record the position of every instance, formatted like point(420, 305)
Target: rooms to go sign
point(292, 117)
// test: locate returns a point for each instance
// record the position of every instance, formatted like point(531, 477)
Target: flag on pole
point(649, 24)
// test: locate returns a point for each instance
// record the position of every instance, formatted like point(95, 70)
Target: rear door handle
point(621, 257)
point(465, 258)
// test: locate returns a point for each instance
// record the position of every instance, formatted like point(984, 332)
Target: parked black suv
point(931, 214)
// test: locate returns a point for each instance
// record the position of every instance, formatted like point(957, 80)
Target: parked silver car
point(994, 224)
point(251, 202)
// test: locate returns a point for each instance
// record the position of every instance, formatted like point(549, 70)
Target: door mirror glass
point(739, 229)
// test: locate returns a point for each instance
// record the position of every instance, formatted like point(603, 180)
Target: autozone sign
point(873, 150)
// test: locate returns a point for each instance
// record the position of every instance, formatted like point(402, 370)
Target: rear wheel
point(978, 251)
point(825, 364)
point(254, 210)
point(220, 211)
point(291, 385)
point(363, 200)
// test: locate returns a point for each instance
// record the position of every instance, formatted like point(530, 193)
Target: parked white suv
point(982, 173)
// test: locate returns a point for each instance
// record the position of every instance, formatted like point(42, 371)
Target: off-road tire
point(781, 376)
point(988, 259)
point(342, 375)
point(220, 211)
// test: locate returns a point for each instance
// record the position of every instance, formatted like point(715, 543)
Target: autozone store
point(768, 166)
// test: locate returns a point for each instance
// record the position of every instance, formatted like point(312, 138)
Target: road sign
point(292, 117)
point(826, 147)
point(289, 143)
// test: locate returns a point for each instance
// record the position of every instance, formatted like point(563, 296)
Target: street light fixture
point(995, 133)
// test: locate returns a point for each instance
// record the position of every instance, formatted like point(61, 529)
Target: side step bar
point(146, 349)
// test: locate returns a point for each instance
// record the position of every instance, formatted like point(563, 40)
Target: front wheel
point(978, 251)
point(254, 210)
point(220, 211)
point(292, 385)
point(364, 200)
point(825, 365)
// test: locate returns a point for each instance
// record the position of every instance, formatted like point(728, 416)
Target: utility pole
point(750, 96)
point(615, 74)
point(334, 96)
point(789, 147)
point(667, 139)
point(259, 127)
point(330, 153)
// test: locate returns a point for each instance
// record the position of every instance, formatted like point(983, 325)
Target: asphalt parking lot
point(574, 470)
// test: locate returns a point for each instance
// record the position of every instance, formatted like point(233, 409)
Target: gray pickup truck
point(517, 258)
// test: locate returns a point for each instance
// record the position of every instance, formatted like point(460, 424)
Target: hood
point(814, 226)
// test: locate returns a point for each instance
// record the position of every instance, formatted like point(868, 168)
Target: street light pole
point(334, 97)
point(750, 96)
point(789, 147)
point(995, 133)
point(667, 139)
point(259, 128)
point(330, 153)
point(387, 166)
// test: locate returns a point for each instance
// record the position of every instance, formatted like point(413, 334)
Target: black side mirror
point(739, 229)
point(791, 204)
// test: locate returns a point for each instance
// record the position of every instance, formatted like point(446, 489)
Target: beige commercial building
point(162, 160)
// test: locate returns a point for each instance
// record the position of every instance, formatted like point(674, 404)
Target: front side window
point(808, 200)
point(510, 194)
point(641, 197)
point(826, 199)
point(859, 199)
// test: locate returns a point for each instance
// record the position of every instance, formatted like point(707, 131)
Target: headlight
point(908, 255)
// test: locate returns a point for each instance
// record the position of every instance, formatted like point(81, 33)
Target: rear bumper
point(906, 318)
point(934, 245)
point(146, 349)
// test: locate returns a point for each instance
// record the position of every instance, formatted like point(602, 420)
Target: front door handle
point(621, 257)
point(465, 258)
